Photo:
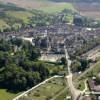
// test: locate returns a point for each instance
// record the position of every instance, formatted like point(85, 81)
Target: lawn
point(47, 90)
point(81, 85)
point(4, 95)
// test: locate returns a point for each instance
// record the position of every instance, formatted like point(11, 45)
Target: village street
point(76, 93)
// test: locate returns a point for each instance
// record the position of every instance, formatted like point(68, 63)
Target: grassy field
point(53, 8)
point(3, 24)
point(21, 15)
point(81, 85)
point(47, 90)
point(4, 95)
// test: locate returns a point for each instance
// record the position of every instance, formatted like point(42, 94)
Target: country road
point(75, 93)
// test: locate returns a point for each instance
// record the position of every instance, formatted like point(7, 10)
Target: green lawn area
point(81, 85)
point(47, 90)
point(52, 8)
point(4, 95)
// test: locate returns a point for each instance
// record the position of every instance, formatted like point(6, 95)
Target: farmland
point(47, 90)
point(88, 9)
point(44, 5)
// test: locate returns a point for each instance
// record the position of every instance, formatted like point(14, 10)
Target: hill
point(89, 8)
point(45, 5)
point(15, 13)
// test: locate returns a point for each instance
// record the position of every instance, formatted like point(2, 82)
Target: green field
point(3, 24)
point(21, 15)
point(47, 90)
point(53, 8)
point(4, 95)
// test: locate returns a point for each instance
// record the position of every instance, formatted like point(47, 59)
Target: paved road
point(75, 93)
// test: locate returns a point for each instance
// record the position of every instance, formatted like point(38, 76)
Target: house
point(92, 85)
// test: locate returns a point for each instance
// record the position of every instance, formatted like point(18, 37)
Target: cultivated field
point(47, 90)
point(51, 6)
point(88, 9)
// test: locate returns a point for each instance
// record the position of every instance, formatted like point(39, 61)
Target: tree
point(16, 41)
point(33, 78)
point(63, 60)
point(76, 66)
point(84, 64)
point(78, 21)
point(34, 53)
point(98, 78)
point(42, 69)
